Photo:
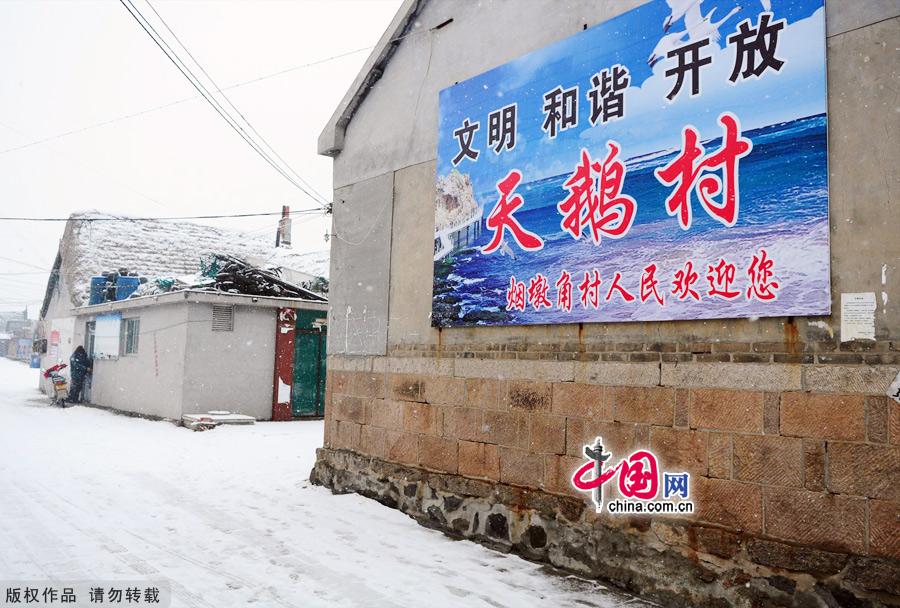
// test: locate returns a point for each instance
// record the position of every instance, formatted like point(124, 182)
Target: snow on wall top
point(155, 248)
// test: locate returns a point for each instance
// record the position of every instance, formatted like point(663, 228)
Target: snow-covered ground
point(227, 518)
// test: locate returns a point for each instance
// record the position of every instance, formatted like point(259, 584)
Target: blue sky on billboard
point(778, 204)
point(652, 123)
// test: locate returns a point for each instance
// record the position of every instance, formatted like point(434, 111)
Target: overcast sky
point(69, 65)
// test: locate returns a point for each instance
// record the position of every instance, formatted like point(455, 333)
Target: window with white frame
point(108, 336)
point(131, 331)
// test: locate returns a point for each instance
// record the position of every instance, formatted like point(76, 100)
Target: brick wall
point(776, 451)
point(795, 453)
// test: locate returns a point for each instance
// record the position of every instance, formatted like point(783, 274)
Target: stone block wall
point(791, 464)
point(793, 448)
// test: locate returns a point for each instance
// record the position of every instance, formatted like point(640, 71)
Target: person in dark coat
point(80, 365)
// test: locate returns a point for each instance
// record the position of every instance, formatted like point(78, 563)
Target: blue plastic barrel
point(126, 286)
point(98, 285)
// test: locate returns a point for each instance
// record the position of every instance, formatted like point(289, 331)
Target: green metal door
point(323, 355)
point(308, 393)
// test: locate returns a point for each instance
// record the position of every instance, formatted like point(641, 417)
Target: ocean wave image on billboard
point(668, 164)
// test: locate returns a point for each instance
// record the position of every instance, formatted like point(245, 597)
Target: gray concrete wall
point(864, 153)
point(393, 138)
point(790, 440)
point(360, 267)
point(411, 247)
point(395, 125)
point(149, 382)
point(59, 316)
point(230, 370)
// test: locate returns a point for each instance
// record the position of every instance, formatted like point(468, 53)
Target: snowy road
point(227, 517)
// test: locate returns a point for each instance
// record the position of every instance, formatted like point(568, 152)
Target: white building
point(189, 350)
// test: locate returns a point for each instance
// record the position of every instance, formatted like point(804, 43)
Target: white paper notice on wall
point(894, 389)
point(858, 316)
point(107, 335)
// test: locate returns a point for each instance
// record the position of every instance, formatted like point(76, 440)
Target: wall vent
point(223, 318)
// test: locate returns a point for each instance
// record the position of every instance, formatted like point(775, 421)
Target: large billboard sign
point(670, 163)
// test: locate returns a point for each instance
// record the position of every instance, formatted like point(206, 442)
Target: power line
point(125, 186)
point(274, 227)
point(207, 95)
point(152, 219)
point(236, 85)
point(24, 281)
point(198, 85)
point(300, 67)
point(23, 263)
point(96, 170)
point(17, 287)
point(322, 199)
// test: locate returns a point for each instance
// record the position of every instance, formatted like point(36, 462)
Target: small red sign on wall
point(285, 329)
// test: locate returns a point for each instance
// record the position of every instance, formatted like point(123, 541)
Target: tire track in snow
point(226, 524)
point(50, 503)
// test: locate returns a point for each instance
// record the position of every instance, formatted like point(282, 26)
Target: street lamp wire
point(207, 95)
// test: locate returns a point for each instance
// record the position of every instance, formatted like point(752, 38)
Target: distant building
point(184, 341)
point(16, 331)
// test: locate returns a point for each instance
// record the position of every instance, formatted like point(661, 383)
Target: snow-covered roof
point(163, 249)
point(203, 297)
